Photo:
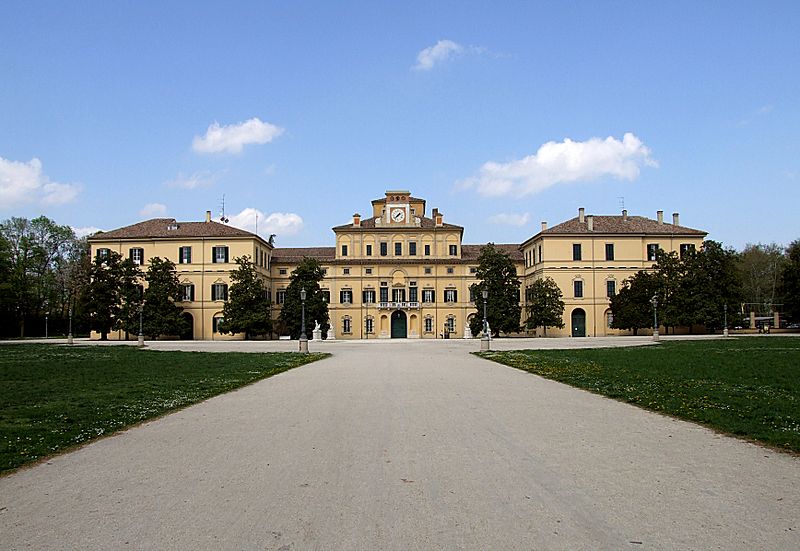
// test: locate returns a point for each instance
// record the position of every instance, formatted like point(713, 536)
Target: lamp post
point(303, 337)
point(46, 315)
point(654, 302)
point(141, 335)
point(725, 330)
point(69, 335)
point(485, 338)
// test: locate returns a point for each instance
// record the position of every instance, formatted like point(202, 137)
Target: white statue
point(316, 334)
point(467, 331)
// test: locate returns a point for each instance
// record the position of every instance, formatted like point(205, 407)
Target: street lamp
point(141, 335)
point(725, 330)
point(46, 315)
point(485, 338)
point(69, 335)
point(654, 302)
point(303, 337)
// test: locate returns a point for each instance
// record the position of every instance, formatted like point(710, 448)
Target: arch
point(608, 317)
point(399, 325)
point(188, 331)
point(578, 325)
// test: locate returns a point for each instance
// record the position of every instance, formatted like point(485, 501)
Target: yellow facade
point(404, 273)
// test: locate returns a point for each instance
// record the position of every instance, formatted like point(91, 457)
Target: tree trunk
point(103, 336)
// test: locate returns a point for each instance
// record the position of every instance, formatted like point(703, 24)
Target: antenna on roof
point(222, 218)
point(621, 202)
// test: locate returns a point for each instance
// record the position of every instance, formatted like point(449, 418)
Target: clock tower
point(397, 208)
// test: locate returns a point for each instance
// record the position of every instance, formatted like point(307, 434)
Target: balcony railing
point(400, 305)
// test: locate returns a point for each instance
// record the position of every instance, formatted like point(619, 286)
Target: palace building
point(401, 273)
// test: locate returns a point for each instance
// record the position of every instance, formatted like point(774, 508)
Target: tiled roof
point(471, 252)
point(369, 224)
point(616, 224)
point(296, 254)
point(160, 227)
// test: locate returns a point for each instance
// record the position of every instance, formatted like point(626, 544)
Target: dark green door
point(578, 323)
point(399, 325)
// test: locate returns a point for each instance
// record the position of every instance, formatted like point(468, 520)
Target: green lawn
point(56, 397)
point(748, 386)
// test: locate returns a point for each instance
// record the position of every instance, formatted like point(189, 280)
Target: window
point(398, 295)
point(215, 321)
point(412, 294)
point(577, 288)
point(187, 292)
point(652, 248)
point(219, 291)
point(346, 271)
point(449, 270)
point(282, 271)
point(609, 251)
point(184, 255)
point(369, 325)
point(450, 324)
point(326, 296)
point(346, 296)
point(427, 250)
point(609, 319)
point(428, 270)
point(611, 288)
point(347, 325)
point(137, 256)
point(102, 253)
point(384, 294)
point(344, 250)
point(685, 248)
point(450, 295)
point(368, 271)
point(453, 250)
point(428, 295)
point(576, 251)
point(541, 258)
point(429, 325)
point(368, 296)
point(369, 250)
point(384, 248)
point(473, 270)
point(398, 249)
point(412, 248)
point(280, 297)
point(324, 272)
point(219, 255)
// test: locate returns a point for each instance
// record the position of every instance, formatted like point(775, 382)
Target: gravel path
point(407, 445)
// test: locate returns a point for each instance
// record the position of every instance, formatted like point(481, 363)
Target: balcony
point(398, 305)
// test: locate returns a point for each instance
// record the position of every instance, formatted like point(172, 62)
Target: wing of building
point(401, 273)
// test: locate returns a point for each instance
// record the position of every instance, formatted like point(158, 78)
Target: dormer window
point(172, 227)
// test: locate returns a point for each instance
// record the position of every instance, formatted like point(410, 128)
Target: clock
point(398, 215)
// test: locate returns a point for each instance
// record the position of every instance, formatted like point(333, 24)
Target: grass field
point(749, 386)
point(54, 398)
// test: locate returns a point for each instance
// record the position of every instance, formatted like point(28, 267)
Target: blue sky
point(500, 116)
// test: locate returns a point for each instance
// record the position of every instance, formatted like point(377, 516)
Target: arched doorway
point(188, 330)
point(399, 325)
point(578, 322)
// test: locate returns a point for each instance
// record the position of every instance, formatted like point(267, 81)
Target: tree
point(631, 306)
point(247, 309)
point(544, 305)
point(791, 281)
point(760, 269)
point(108, 289)
point(498, 275)
point(160, 314)
point(306, 276)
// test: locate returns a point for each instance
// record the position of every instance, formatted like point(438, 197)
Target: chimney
point(208, 216)
point(544, 226)
point(660, 215)
point(581, 212)
point(435, 213)
point(357, 220)
point(624, 215)
point(590, 223)
point(675, 219)
point(437, 218)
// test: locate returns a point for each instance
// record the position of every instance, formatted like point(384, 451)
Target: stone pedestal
point(304, 346)
point(331, 336)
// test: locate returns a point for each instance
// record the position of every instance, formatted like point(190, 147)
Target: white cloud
point(200, 179)
point(153, 209)
point(25, 183)
point(563, 162)
point(234, 137)
point(441, 51)
point(510, 219)
point(279, 223)
point(85, 232)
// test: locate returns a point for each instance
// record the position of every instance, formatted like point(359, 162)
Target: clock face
point(398, 215)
